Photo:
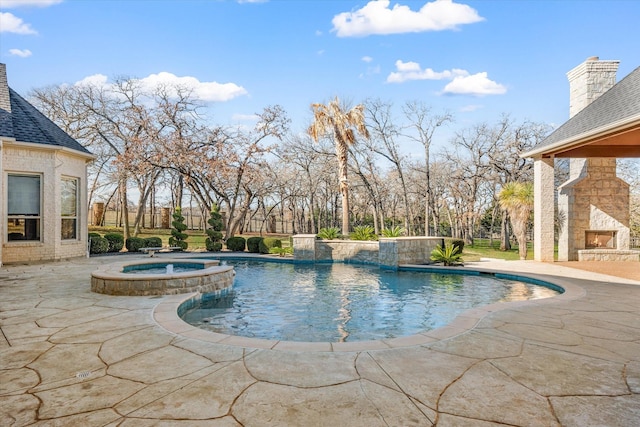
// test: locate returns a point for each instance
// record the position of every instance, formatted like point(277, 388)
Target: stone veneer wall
point(388, 252)
point(597, 200)
point(52, 164)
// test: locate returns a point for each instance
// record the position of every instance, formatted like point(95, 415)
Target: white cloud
point(367, 59)
point(9, 4)
point(462, 82)
point(204, 91)
point(23, 53)
point(10, 23)
point(377, 18)
point(477, 85)
point(412, 71)
point(93, 80)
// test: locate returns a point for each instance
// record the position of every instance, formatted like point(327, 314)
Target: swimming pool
point(345, 302)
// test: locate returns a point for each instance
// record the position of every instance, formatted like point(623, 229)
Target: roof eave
point(45, 147)
point(576, 140)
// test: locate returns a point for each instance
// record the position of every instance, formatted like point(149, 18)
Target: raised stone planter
point(111, 279)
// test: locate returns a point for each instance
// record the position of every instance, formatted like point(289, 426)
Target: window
point(23, 207)
point(69, 208)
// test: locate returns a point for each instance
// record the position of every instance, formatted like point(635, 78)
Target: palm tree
point(342, 125)
point(516, 198)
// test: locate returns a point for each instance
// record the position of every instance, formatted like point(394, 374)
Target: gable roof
point(25, 123)
point(606, 123)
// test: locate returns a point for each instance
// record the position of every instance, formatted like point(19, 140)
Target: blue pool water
point(346, 302)
point(161, 267)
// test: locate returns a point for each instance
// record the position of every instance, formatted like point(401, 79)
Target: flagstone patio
point(72, 357)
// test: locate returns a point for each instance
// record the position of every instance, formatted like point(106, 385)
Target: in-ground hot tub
point(166, 277)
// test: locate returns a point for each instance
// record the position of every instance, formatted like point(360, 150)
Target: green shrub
point(153, 242)
point(99, 245)
point(282, 251)
point(253, 244)
point(329, 233)
point(363, 232)
point(457, 243)
point(213, 246)
point(236, 244)
point(116, 241)
point(133, 244)
point(395, 231)
point(213, 242)
point(269, 243)
point(93, 234)
point(178, 236)
point(449, 255)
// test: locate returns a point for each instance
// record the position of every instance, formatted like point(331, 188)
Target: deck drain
point(83, 374)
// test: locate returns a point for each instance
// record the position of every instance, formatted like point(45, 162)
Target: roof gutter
point(571, 142)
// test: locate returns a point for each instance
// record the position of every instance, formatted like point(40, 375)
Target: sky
point(475, 59)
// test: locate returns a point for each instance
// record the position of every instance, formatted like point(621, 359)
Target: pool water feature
point(345, 302)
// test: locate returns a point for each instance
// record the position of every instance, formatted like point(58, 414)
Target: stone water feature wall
point(387, 252)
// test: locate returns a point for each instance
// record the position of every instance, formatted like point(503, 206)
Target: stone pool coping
point(166, 316)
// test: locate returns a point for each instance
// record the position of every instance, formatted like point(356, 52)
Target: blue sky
point(476, 59)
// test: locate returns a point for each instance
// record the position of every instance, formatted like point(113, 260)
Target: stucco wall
point(52, 164)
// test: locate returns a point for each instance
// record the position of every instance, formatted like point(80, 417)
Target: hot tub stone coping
point(111, 280)
point(115, 270)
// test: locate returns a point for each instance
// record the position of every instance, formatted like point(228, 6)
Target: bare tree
point(425, 125)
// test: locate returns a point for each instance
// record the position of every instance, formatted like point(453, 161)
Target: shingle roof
point(620, 102)
point(23, 122)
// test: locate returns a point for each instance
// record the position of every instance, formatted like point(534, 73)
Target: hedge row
point(113, 242)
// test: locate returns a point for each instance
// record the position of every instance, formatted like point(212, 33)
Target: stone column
point(304, 247)
point(543, 209)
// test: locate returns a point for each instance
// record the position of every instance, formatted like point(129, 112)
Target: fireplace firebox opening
point(600, 239)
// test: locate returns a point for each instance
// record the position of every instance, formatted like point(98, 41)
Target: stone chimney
point(588, 81)
point(5, 103)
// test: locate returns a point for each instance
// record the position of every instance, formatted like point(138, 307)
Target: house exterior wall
point(52, 163)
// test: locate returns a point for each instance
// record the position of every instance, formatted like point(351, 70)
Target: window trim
point(75, 217)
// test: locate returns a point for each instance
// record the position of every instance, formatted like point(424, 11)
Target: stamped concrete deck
point(70, 357)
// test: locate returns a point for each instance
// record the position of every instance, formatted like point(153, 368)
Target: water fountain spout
point(169, 268)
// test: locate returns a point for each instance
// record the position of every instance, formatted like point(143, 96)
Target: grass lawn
point(481, 249)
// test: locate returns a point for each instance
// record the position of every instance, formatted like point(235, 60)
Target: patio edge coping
point(165, 314)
